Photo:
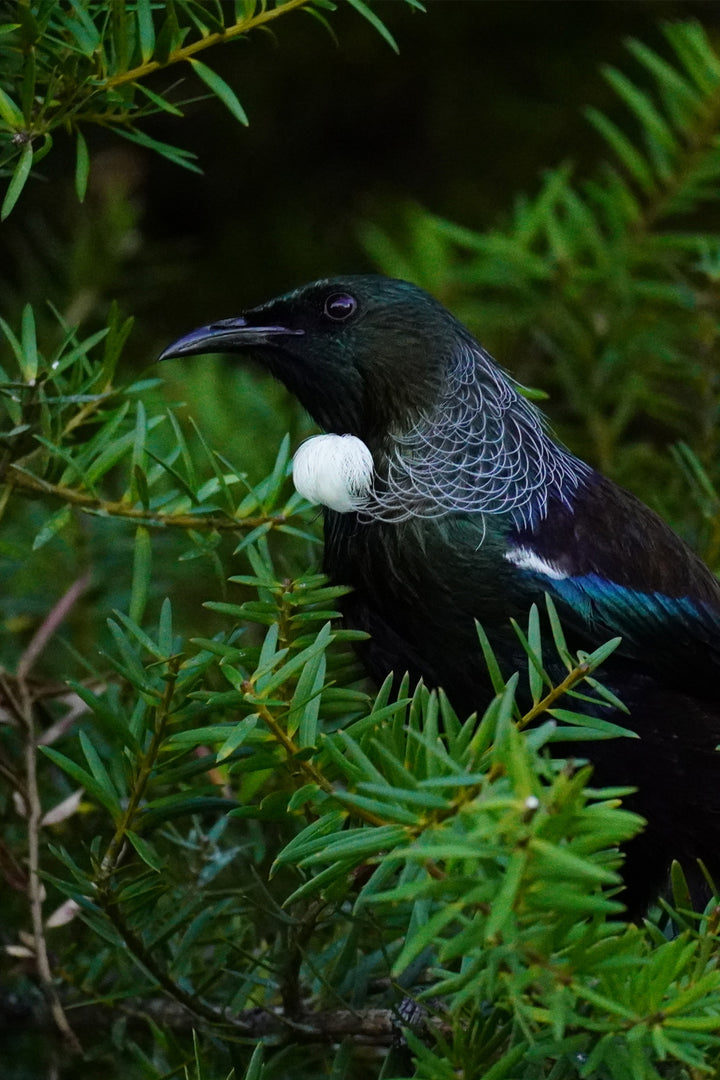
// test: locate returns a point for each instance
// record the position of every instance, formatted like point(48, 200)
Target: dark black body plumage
point(475, 513)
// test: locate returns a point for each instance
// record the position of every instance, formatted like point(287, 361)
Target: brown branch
point(19, 699)
point(578, 673)
point(23, 707)
point(290, 984)
point(50, 624)
point(90, 504)
point(371, 1026)
point(207, 42)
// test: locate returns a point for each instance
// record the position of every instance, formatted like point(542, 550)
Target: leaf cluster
point(347, 852)
point(68, 67)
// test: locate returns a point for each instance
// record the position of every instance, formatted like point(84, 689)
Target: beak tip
point(195, 343)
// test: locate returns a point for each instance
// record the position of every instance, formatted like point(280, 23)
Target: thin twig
point(146, 766)
point(311, 771)
point(105, 891)
point(578, 673)
point(24, 707)
point(19, 699)
point(178, 55)
point(49, 625)
point(192, 1002)
point(90, 504)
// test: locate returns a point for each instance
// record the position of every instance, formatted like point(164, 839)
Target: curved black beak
point(226, 335)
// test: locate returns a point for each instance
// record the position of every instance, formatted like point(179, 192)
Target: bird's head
point(436, 426)
point(364, 354)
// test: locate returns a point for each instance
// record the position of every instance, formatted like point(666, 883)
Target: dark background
point(482, 98)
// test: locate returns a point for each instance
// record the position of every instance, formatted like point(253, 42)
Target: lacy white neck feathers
point(481, 448)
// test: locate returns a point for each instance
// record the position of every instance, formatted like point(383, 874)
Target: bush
point(223, 849)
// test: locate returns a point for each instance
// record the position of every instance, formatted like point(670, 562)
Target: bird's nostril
point(228, 324)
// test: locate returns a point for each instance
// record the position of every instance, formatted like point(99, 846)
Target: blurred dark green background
point(482, 98)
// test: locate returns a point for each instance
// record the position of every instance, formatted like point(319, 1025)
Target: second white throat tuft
point(335, 471)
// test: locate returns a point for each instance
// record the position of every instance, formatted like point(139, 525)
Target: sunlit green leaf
point(82, 166)
point(374, 20)
point(19, 178)
point(221, 89)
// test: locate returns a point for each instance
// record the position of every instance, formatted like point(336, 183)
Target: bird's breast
point(418, 587)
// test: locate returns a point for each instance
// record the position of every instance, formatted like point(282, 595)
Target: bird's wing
point(617, 569)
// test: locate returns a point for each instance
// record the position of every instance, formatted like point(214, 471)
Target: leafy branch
point(67, 428)
point(67, 70)
point(177, 55)
point(457, 838)
point(287, 685)
point(22, 479)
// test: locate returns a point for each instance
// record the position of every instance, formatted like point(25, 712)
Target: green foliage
point(69, 67)
point(211, 822)
point(291, 842)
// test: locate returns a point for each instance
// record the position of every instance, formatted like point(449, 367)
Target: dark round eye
point(340, 306)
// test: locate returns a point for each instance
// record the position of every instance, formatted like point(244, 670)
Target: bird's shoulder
point(617, 568)
point(607, 532)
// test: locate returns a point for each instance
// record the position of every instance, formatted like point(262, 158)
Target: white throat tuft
point(335, 471)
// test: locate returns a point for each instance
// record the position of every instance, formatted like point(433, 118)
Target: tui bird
point(446, 500)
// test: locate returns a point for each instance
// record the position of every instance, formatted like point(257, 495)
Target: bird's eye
point(340, 306)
